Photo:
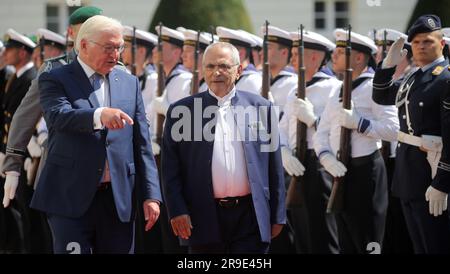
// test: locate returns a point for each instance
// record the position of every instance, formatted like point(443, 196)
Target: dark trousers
point(99, 230)
point(396, 237)
point(239, 231)
point(323, 235)
point(361, 223)
point(429, 234)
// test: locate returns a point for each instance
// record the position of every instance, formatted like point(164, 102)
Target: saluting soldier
point(421, 173)
point(250, 80)
point(362, 220)
point(321, 85)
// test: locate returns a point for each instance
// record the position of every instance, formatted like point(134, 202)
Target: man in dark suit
point(98, 143)
point(222, 173)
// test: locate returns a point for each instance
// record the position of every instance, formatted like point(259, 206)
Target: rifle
point(41, 49)
point(295, 191)
point(194, 85)
point(133, 52)
point(266, 77)
point(336, 201)
point(161, 86)
point(211, 30)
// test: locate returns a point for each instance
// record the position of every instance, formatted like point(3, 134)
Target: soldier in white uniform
point(257, 52)
point(361, 222)
point(188, 56)
point(282, 80)
point(249, 80)
point(177, 77)
point(321, 85)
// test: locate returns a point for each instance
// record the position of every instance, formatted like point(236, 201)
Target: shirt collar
point(435, 62)
point(87, 69)
point(225, 100)
point(23, 69)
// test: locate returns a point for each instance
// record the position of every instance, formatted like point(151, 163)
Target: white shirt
point(103, 92)
point(383, 123)
point(318, 94)
point(23, 69)
point(229, 168)
point(250, 81)
point(282, 87)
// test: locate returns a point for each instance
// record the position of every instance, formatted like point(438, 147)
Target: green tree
point(440, 8)
point(201, 14)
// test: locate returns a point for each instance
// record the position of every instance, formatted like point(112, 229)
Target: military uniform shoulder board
point(437, 70)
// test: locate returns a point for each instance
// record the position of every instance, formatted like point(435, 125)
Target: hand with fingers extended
point(395, 54)
point(181, 226)
point(437, 201)
point(114, 118)
point(151, 213)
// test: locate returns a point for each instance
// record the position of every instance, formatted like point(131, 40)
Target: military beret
point(424, 24)
point(83, 13)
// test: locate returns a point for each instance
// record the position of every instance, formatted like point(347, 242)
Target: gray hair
point(95, 25)
point(233, 49)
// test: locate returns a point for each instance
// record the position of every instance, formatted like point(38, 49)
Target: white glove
point(2, 159)
point(42, 138)
point(28, 167)
point(437, 201)
point(11, 183)
point(34, 148)
point(348, 118)
point(156, 148)
point(332, 165)
point(395, 54)
point(304, 111)
point(290, 163)
point(160, 105)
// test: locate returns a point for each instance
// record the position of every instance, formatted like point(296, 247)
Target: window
point(319, 13)
point(341, 11)
point(52, 14)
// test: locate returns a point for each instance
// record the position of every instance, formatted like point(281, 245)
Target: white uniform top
point(285, 83)
point(383, 123)
point(250, 80)
point(203, 86)
point(318, 94)
point(178, 84)
point(150, 89)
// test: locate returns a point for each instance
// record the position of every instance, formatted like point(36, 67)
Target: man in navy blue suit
point(221, 164)
point(99, 148)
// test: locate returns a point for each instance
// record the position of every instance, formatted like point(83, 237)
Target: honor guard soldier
point(282, 80)
point(321, 85)
point(396, 237)
point(361, 221)
point(250, 80)
point(188, 56)
point(177, 77)
point(257, 53)
point(17, 54)
point(421, 173)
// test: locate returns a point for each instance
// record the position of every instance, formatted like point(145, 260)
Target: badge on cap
point(431, 23)
point(438, 70)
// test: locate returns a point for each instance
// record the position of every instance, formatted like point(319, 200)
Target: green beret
point(84, 13)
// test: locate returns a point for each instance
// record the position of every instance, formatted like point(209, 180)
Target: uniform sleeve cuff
point(97, 121)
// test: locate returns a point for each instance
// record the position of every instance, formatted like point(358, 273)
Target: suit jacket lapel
point(85, 84)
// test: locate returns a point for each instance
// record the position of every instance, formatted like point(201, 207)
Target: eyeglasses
point(109, 48)
point(221, 67)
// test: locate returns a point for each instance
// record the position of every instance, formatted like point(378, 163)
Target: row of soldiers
point(371, 218)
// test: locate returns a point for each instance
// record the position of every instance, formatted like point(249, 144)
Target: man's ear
point(239, 71)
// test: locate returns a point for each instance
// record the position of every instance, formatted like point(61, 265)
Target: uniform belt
point(104, 186)
point(409, 139)
point(233, 201)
